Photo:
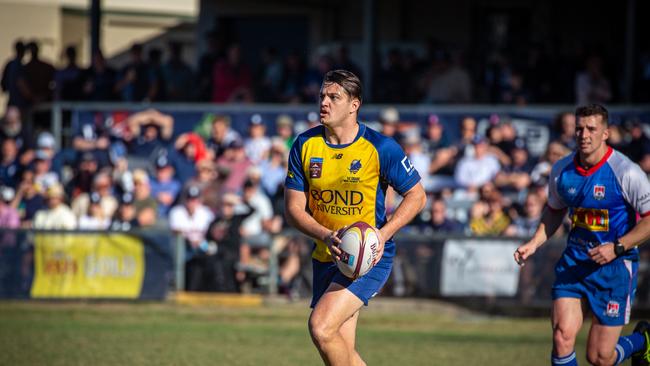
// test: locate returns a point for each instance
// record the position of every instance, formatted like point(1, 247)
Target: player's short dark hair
point(593, 110)
point(347, 80)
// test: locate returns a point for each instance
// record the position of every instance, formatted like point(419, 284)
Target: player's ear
point(356, 104)
point(606, 133)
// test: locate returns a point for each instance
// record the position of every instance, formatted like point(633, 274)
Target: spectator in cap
point(164, 187)
point(102, 188)
point(436, 136)
point(233, 165)
point(57, 215)
point(29, 198)
point(474, 171)
point(10, 167)
point(389, 119)
point(92, 136)
point(146, 207)
point(191, 220)
point(257, 144)
point(94, 218)
point(9, 216)
point(284, 130)
point(221, 135)
point(125, 217)
point(41, 166)
point(224, 232)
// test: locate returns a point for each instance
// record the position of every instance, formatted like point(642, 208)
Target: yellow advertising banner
point(87, 266)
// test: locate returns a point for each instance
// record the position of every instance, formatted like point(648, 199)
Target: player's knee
point(563, 340)
point(600, 357)
point(321, 333)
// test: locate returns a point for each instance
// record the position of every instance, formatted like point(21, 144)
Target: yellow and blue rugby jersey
point(347, 183)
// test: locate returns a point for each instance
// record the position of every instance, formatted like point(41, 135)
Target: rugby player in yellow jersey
point(338, 174)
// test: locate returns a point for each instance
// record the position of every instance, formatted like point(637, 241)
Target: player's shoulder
point(622, 166)
point(563, 163)
point(314, 132)
point(380, 141)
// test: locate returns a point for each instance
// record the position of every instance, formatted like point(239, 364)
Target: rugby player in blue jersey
point(607, 197)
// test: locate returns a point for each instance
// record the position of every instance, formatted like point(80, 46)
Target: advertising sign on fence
point(87, 266)
point(479, 268)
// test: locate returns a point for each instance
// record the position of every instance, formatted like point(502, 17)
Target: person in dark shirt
point(99, 80)
point(68, 81)
point(440, 223)
point(133, 82)
point(10, 74)
point(37, 77)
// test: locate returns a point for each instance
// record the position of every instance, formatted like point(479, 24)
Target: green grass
point(167, 334)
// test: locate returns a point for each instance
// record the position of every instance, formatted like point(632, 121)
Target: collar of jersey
point(362, 129)
point(587, 172)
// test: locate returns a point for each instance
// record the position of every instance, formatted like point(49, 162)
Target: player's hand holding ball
point(359, 249)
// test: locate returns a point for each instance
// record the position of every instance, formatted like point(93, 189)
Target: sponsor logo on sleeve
point(406, 163)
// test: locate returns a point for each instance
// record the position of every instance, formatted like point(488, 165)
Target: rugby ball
point(358, 247)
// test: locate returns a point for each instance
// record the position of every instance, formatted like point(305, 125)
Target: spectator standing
point(133, 82)
point(10, 75)
point(68, 81)
point(37, 79)
point(591, 84)
point(99, 80)
point(178, 76)
point(232, 80)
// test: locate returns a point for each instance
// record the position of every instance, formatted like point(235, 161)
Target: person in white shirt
point(191, 219)
point(58, 216)
point(257, 145)
point(474, 171)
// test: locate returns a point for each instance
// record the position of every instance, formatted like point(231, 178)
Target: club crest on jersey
point(599, 192)
point(355, 166)
point(612, 309)
point(315, 167)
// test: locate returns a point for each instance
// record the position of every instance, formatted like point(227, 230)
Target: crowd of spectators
point(223, 192)
point(437, 75)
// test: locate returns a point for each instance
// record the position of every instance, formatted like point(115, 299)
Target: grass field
point(390, 333)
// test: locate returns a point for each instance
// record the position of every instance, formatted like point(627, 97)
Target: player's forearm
point(304, 222)
point(548, 225)
point(413, 202)
point(638, 235)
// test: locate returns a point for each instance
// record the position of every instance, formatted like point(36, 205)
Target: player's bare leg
point(601, 346)
point(349, 331)
point(335, 307)
point(566, 321)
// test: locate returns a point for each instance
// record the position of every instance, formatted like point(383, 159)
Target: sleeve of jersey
point(295, 175)
point(554, 200)
point(396, 168)
point(636, 188)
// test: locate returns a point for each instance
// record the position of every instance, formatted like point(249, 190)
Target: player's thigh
point(602, 338)
point(567, 315)
point(336, 306)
